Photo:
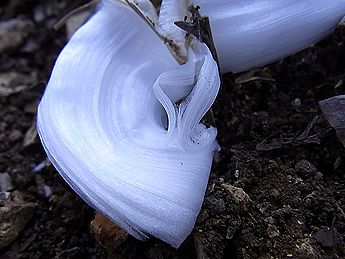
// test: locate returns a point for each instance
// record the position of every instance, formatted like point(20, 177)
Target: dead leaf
point(334, 110)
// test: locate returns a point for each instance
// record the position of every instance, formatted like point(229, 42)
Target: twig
point(83, 7)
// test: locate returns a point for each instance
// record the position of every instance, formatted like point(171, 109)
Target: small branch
point(81, 8)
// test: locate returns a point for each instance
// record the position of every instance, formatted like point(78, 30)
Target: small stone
point(31, 108)
point(263, 207)
point(238, 195)
point(275, 193)
point(270, 220)
point(13, 33)
point(305, 250)
point(15, 135)
point(237, 173)
point(107, 234)
point(47, 191)
point(305, 167)
point(40, 166)
point(39, 14)
point(4, 196)
point(272, 231)
point(54, 199)
point(13, 82)
point(232, 229)
point(13, 217)
point(319, 176)
point(298, 180)
point(17, 196)
point(289, 178)
point(5, 182)
point(296, 104)
point(310, 93)
point(203, 216)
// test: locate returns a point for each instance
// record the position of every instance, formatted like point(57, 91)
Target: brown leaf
point(334, 111)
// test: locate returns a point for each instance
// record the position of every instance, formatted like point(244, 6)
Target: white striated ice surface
point(251, 33)
point(103, 123)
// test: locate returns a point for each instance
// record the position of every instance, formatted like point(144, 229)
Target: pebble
point(318, 176)
point(232, 229)
point(272, 231)
point(238, 195)
point(13, 33)
point(54, 199)
point(305, 249)
point(13, 217)
point(305, 167)
point(15, 135)
point(107, 234)
point(4, 196)
point(296, 104)
point(5, 182)
point(275, 194)
point(270, 220)
point(47, 191)
point(40, 166)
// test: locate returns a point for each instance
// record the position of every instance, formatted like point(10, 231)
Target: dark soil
point(292, 194)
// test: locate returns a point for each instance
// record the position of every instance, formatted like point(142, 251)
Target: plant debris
point(334, 110)
point(199, 27)
point(302, 139)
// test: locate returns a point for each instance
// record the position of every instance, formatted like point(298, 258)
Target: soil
point(276, 188)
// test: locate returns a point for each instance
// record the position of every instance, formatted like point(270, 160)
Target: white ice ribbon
point(120, 118)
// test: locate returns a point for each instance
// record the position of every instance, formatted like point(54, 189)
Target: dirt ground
point(276, 188)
